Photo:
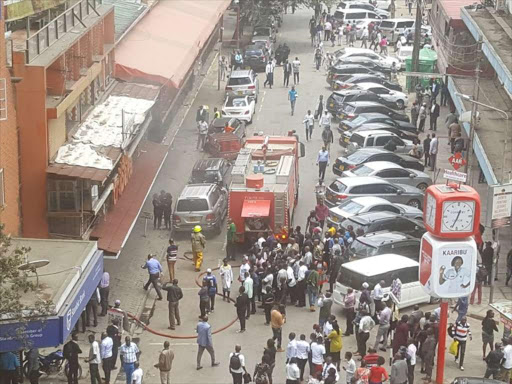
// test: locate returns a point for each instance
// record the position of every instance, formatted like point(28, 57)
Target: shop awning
point(256, 208)
point(163, 46)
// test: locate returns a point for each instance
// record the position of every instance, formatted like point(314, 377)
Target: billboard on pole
point(499, 205)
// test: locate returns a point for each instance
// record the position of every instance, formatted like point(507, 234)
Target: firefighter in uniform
point(198, 243)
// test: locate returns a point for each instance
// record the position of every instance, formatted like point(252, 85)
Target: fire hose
point(184, 337)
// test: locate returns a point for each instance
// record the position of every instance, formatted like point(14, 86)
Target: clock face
point(458, 216)
point(430, 213)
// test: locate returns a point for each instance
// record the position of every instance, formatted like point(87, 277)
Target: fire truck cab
point(265, 186)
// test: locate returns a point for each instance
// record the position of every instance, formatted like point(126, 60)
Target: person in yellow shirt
point(277, 319)
point(331, 230)
point(335, 344)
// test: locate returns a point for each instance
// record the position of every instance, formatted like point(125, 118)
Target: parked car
point(243, 108)
point(372, 204)
point(337, 81)
point(377, 139)
point(336, 101)
point(350, 187)
point(256, 58)
point(345, 69)
point(404, 52)
point(354, 15)
point(374, 269)
point(243, 83)
point(363, 5)
point(350, 81)
point(391, 172)
point(370, 222)
point(364, 61)
point(200, 204)
point(375, 118)
point(355, 108)
point(366, 155)
point(345, 136)
point(386, 61)
point(399, 98)
point(217, 126)
point(393, 28)
point(264, 42)
point(266, 31)
point(210, 170)
point(383, 242)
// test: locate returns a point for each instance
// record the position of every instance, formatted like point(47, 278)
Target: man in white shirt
point(309, 123)
point(292, 284)
point(249, 289)
point(269, 71)
point(137, 374)
point(106, 355)
point(292, 372)
point(384, 318)
point(327, 366)
point(378, 295)
point(296, 69)
point(327, 30)
point(282, 273)
point(434, 145)
point(291, 348)
point(302, 354)
point(411, 354)
point(365, 327)
point(325, 119)
point(301, 284)
point(322, 161)
point(245, 267)
point(94, 360)
point(506, 365)
point(203, 131)
point(364, 38)
point(317, 354)
point(237, 365)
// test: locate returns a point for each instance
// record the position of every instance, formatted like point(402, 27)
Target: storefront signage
point(499, 208)
point(455, 176)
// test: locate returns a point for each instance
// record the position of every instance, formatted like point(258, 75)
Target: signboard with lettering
point(454, 175)
point(34, 334)
point(457, 160)
point(499, 205)
point(447, 267)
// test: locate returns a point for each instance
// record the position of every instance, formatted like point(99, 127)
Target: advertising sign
point(34, 334)
point(499, 208)
point(447, 267)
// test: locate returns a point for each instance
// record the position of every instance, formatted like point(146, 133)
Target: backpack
point(260, 376)
point(234, 362)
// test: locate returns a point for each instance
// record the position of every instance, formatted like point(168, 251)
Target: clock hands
point(456, 218)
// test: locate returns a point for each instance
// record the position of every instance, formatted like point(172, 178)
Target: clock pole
point(443, 324)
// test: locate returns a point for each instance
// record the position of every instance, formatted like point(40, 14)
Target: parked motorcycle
point(52, 364)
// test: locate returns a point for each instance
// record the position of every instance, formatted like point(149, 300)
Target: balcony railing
point(58, 27)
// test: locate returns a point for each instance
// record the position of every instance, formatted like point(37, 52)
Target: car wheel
point(400, 104)
point(414, 203)
point(422, 186)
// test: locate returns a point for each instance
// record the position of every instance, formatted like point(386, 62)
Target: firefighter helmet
point(197, 229)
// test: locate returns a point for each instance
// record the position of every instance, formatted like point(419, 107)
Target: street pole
point(443, 323)
point(393, 9)
point(416, 45)
point(238, 26)
point(474, 113)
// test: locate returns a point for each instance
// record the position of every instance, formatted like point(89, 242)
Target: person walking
point(33, 365)
point(399, 370)
point(287, 70)
point(317, 356)
point(493, 361)
point(292, 371)
point(172, 257)
point(426, 150)
point(461, 307)
point(154, 269)
point(249, 289)
point(106, 355)
point(292, 97)
point(422, 114)
point(325, 304)
point(415, 112)
point(167, 207)
point(129, 353)
point(198, 245)
point(327, 136)
point(319, 107)
point(303, 350)
point(204, 341)
point(226, 276)
point(460, 333)
point(138, 374)
point(94, 361)
point(309, 123)
point(277, 320)
point(480, 279)
point(506, 363)
point(434, 147)
point(158, 211)
point(488, 329)
point(269, 71)
point(366, 325)
point(231, 239)
point(268, 301)
point(487, 256)
point(434, 114)
point(104, 292)
point(174, 295)
point(202, 132)
point(212, 287)
point(204, 300)
point(242, 305)
point(322, 161)
point(237, 365)
point(164, 365)
point(428, 352)
point(364, 38)
point(70, 352)
point(296, 71)
point(312, 286)
point(384, 318)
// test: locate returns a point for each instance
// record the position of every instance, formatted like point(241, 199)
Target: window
point(391, 173)
point(388, 189)
point(381, 141)
point(192, 205)
point(337, 187)
point(62, 195)
point(2, 188)
point(369, 142)
point(358, 139)
point(214, 197)
point(358, 15)
point(385, 208)
point(3, 100)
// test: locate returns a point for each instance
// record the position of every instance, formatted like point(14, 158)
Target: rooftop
point(452, 7)
point(125, 14)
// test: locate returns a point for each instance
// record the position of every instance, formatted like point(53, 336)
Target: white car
point(364, 5)
point(403, 53)
point(240, 107)
point(381, 4)
point(390, 95)
point(385, 61)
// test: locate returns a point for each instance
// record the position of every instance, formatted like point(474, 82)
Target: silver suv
point(200, 204)
point(243, 83)
point(378, 139)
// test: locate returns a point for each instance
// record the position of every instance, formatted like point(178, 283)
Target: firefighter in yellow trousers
point(198, 243)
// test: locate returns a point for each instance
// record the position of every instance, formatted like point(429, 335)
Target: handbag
point(247, 378)
point(453, 347)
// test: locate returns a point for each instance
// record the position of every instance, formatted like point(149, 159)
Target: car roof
point(383, 237)
point(208, 164)
point(399, 19)
point(373, 115)
point(370, 217)
point(240, 73)
point(370, 85)
point(234, 97)
point(348, 92)
point(195, 191)
point(368, 200)
point(374, 132)
point(379, 165)
point(366, 104)
point(253, 47)
point(373, 126)
point(376, 265)
point(371, 151)
point(353, 181)
point(346, 66)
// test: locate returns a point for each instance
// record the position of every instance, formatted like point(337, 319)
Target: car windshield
point(358, 120)
point(357, 139)
point(355, 226)
point(337, 186)
point(362, 170)
point(362, 250)
point(192, 205)
point(358, 157)
point(338, 98)
point(239, 81)
point(261, 32)
point(350, 207)
point(207, 176)
point(387, 24)
point(351, 279)
point(236, 103)
point(349, 108)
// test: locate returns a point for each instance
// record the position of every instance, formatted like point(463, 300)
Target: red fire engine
point(265, 186)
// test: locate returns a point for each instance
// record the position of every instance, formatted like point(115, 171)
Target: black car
point(256, 58)
point(380, 221)
point(364, 61)
point(210, 171)
point(383, 242)
point(350, 69)
point(365, 155)
point(353, 109)
point(345, 136)
point(352, 95)
point(369, 118)
point(349, 80)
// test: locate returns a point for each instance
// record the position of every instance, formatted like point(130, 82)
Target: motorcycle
point(52, 364)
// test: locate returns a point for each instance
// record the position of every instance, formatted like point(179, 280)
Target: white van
point(403, 53)
point(353, 15)
point(393, 28)
point(376, 268)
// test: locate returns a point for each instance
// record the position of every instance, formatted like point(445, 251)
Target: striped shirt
point(129, 352)
point(461, 331)
point(172, 252)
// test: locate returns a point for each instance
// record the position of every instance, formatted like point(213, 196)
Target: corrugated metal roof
point(125, 13)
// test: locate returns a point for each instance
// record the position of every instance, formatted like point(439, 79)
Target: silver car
point(377, 139)
point(350, 187)
point(243, 83)
point(359, 205)
point(200, 204)
point(391, 172)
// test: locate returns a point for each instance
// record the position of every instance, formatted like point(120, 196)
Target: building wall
point(56, 134)
point(9, 156)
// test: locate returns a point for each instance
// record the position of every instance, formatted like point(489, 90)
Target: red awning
point(163, 46)
point(256, 208)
